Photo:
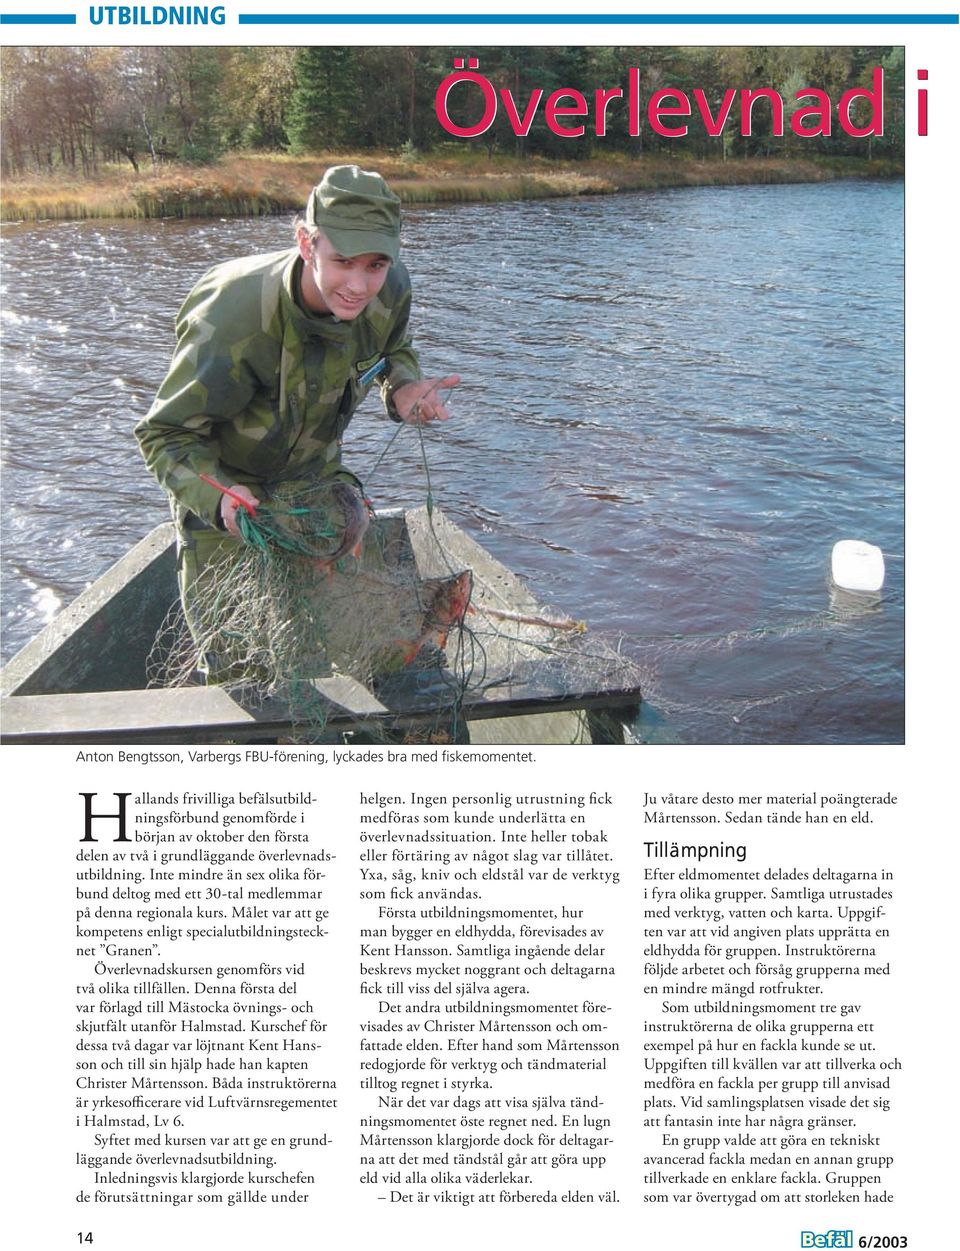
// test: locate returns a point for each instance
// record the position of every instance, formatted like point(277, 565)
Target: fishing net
point(399, 627)
point(396, 626)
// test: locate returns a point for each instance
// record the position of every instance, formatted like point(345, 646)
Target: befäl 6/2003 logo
point(832, 1238)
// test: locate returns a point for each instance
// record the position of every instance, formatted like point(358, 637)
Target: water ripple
point(673, 404)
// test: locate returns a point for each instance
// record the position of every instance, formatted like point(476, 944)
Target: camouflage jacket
point(260, 389)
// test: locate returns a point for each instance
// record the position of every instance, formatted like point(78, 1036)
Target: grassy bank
point(241, 186)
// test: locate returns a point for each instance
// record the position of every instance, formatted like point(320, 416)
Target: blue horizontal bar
point(38, 19)
point(598, 19)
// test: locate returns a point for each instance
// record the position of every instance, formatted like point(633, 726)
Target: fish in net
point(321, 590)
point(309, 591)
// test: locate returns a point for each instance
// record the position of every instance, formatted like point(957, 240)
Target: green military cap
point(357, 212)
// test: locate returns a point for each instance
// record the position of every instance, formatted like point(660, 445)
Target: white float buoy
point(857, 566)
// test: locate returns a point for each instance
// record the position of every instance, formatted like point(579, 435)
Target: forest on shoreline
point(200, 131)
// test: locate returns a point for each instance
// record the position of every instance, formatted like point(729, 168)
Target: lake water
point(673, 404)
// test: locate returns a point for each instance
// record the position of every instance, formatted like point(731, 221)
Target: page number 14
point(85, 1237)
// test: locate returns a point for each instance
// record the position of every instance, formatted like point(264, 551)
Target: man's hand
point(230, 507)
point(420, 401)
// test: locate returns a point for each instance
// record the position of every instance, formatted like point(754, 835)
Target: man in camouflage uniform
point(274, 354)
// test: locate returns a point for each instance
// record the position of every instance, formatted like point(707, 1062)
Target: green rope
point(267, 528)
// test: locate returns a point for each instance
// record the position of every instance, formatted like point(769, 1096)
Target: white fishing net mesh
point(428, 629)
